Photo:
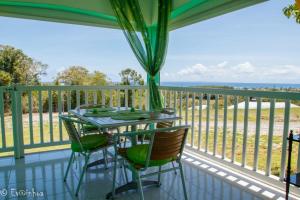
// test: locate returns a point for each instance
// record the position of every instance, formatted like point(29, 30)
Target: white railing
point(247, 138)
point(29, 114)
point(244, 137)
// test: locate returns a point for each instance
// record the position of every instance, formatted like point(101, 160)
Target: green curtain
point(148, 42)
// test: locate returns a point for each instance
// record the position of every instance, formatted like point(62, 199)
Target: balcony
point(236, 147)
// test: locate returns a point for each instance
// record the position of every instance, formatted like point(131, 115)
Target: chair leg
point(139, 184)
point(69, 165)
point(125, 140)
point(87, 157)
point(158, 178)
point(119, 140)
point(175, 172)
point(105, 158)
point(183, 181)
point(125, 171)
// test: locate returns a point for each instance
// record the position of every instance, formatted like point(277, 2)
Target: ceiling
point(99, 13)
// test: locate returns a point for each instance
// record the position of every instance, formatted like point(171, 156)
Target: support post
point(16, 108)
point(157, 81)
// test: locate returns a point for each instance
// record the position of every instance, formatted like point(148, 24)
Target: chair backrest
point(168, 144)
point(70, 127)
point(166, 124)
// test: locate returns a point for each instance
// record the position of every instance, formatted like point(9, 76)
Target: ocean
point(235, 85)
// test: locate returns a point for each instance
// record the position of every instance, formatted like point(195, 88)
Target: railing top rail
point(25, 88)
point(3, 88)
point(233, 92)
point(215, 91)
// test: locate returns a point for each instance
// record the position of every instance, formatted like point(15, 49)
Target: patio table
point(108, 122)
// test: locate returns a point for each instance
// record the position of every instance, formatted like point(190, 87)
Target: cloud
point(246, 67)
point(222, 64)
point(196, 69)
point(241, 72)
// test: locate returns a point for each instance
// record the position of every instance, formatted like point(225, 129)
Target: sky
point(257, 44)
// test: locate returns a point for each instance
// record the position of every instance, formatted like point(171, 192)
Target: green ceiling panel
point(99, 12)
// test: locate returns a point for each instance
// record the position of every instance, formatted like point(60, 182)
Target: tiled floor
point(41, 175)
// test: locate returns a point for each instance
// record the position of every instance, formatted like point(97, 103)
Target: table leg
point(99, 162)
point(131, 186)
point(134, 138)
point(104, 161)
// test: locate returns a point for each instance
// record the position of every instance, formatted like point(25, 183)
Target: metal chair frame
point(75, 136)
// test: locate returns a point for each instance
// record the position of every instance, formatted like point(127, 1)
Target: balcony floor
point(43, 172)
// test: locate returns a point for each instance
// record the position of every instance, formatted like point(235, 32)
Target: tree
point(18, 68)
point(293, 11)
point(5, 78)
point(78, 75)
point(98, 78)
point(131, 77)
point(74, 75)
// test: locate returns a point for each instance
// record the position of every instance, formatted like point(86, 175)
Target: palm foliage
point(293, 11)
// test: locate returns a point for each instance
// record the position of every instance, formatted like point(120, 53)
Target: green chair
point(166, 124)
point(165, 146)
point(82, 144)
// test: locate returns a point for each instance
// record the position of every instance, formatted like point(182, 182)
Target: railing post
point(284, 136)
point(224, 128)
point(200, 121)
point(207, 121)
point(16, 109)
point(257, 134)
point(2, 122)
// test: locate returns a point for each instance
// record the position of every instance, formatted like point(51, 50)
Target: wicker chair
point(166, 124)
point(165, 146)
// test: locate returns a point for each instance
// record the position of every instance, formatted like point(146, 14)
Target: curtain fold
point(148, 42)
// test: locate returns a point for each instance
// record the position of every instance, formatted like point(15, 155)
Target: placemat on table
point(100, 114)
point(131, 116)
point(125, 112)
point(98, 110)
